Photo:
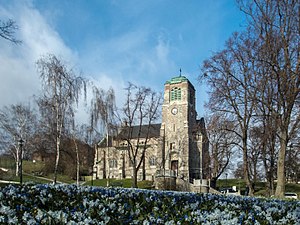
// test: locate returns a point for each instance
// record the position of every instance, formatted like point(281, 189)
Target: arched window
point(152, 161)
point(113, 163)
point(175, 93)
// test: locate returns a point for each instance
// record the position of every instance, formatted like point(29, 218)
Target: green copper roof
point(176, 80)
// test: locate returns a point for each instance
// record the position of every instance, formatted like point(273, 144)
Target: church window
point(172, 145)
point(175, 94)
point(152, 161)
point(113, 163)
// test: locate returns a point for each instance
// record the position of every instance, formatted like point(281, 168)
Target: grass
point(30, 168)
point(126, 183)
point(260, 187)
point(60, 178)
point(35, 168)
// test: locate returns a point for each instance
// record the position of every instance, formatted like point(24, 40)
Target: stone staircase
point(178, 184)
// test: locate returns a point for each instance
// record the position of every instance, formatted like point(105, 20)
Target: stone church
point(177, 148)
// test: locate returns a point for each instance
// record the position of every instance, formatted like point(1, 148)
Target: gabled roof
point(154, 131)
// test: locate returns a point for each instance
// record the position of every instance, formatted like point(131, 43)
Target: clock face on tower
point(174, 111)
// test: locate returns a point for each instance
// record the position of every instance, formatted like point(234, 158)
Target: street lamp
point(226, 174)
point(20, 158)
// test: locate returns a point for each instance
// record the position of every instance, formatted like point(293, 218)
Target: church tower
point(177, 156)
point(180, 151)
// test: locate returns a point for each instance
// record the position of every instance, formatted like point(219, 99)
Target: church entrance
point(174, 167)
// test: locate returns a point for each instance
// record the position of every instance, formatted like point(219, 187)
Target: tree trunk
point(246, 175)
point(17, 161)
point(123, 167)
point(104, 164)
point(56, 159)
point(280, 188)
point(246, 166)
point(134, 176)
point(77, 162)
point(144, 167)
point(213, 182)
point(254, 170)
point(272, 168)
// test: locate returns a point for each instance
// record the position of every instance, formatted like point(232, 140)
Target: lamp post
point(226, 174)
point(20, 158)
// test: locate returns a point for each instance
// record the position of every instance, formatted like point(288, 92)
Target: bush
point(71, 204)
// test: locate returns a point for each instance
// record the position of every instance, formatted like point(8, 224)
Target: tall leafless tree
point(61, 90)
point(221, 142)
point(16, 122)
point(231, 74)
point(77, 136)
point(141, 110)
point(261, 65)
point(103, 116)
point(267, 127)
point(255, 153)
point(276, 24)
point(103, 110)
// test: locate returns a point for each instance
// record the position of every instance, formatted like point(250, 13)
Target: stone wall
point(165, 183)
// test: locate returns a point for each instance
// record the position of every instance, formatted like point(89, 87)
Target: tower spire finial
point(180, 72)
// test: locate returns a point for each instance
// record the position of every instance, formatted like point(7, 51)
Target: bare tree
point(103, 115)
point(141, 110)
point(77, 136)
point(231, 74)
point(266, 127)
point(221, 142)
point(276, 24)
point(293, 158)
point(7, 30)
point(16, 122)
point(103, 111)
point(293, 163)
point(255, 153)
point(61, 90)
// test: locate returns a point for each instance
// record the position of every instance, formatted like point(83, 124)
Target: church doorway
point(174, 167)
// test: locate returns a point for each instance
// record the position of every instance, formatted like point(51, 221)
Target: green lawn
point(260, 187)
point(126, 183)
point(33, 167)
point(36, 168)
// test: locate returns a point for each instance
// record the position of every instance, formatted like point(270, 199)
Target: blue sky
point(114, 41)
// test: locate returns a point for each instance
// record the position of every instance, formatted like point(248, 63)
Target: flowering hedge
point(70, 204)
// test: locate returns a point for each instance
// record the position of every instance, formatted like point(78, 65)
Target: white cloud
point(18, 72)
point(144, 54)
point(137, 55)
point(19, 77)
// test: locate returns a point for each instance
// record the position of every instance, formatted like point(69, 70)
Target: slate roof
point(153, 132)
point(123, 134)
